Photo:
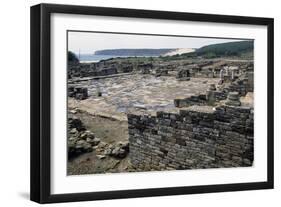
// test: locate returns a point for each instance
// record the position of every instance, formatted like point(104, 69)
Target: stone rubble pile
point(77, 92)
point(119, 150)
point(79, 140)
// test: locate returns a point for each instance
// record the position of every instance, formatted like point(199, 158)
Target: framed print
point(132, 103)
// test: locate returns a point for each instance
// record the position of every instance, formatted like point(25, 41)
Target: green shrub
point(71, 57)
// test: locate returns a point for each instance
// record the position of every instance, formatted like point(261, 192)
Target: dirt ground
point(109, 131)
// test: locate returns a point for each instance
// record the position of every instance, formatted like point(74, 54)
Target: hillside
point(241, 49)
point(226, 49)
point(133, 52)
point(71, 57)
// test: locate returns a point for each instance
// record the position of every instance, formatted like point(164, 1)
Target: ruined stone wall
point(80, 70)
point(242, 86)
point(201, 99)
point(190, 101)
point(204, 74)
point(192, 139)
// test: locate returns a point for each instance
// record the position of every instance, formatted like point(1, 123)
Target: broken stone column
point(233, 99)
point(232, 75)
point(214, 73)
point(227, 71)
point(210, 94)
point(221, 77)
point(221, 74)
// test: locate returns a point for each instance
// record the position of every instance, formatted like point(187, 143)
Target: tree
point(71, 57)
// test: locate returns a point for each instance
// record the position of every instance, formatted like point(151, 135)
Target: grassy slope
point(243, 49)
point(227, 49)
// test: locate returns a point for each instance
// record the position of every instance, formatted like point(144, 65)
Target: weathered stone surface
point(120, 150)
point(183, 75)
point(233, 99)
point(75, 124)
point(145, 68)
point(94, 141)
point(78, 92)
point(212, 87)
point(199, 139)
point(168, 140)
point(79, 140)
point(161, 72)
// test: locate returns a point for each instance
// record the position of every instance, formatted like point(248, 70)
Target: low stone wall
point(190, 101)
point(241, 86)
point(77, 92)
point(200, 100)
point(192, 139)
point(204, 74)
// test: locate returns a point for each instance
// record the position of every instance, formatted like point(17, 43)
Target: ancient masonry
point(242, 86)
point(192, 139)
point(209, 130)
point(199, 135)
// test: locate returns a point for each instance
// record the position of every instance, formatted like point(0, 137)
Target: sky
point(89, 42)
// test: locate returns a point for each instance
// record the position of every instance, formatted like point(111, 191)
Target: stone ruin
point(183, 75)
point(211, 130)
point(125, 69)
point(77, 92)
point(203, 134)
point(240, 86)
point(226, 70)
point(161, 72)
point(211, 95)
point(106, 71)
point(192, 139)
point(120, 150)
point(233, 99)
point(145, 68)
point(80, 140)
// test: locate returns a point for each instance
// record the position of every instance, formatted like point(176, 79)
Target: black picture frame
point(40, 185)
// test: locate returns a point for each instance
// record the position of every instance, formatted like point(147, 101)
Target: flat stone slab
point(204, 109)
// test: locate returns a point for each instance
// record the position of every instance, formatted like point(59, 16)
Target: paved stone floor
point(137, 93)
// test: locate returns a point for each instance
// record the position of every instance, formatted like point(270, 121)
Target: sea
point(89, 58)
